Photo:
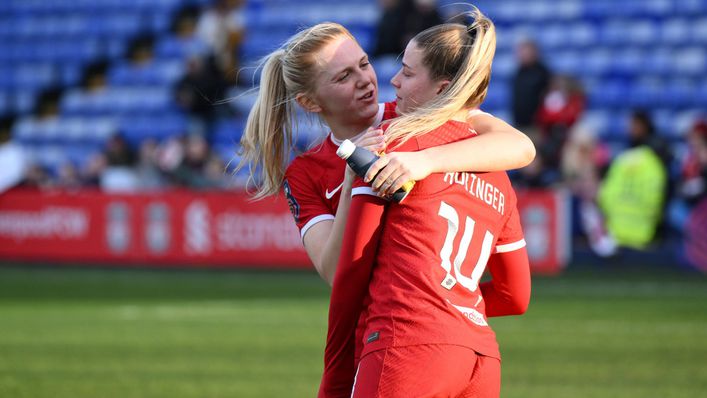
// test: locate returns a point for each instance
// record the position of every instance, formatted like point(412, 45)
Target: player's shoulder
point(451, 131)
point(312, 159)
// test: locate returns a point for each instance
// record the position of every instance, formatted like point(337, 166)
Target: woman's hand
point(374, 141)
point(397, 168)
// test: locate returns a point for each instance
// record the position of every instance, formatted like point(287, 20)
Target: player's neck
point(346, 132)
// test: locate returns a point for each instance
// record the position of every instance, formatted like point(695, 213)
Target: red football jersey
point(314, 179)
point(429, 253)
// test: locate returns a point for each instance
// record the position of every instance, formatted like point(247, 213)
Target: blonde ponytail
point(464, 56)
point(267, 139)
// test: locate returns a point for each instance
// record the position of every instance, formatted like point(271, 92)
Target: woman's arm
point(508, 292)
point(353, 275)
point(498, 147)
point(323, 240)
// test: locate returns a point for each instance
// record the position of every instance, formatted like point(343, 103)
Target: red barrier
point(545, 216)
point(188, 228)
point(172, 228)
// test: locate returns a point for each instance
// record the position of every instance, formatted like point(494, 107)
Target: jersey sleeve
point(508, 291)
point(511, 237)
point(306, 205)
point(353, 274)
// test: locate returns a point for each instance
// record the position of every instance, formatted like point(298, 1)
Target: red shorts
point(427, 371)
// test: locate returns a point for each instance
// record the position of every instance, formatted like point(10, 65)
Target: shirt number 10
point(470, 282)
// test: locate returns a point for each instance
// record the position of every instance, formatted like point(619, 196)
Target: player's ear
point(442, 85)
point(307, 103)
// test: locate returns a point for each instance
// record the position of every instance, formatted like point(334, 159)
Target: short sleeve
point(511, 237)
point(306, 205)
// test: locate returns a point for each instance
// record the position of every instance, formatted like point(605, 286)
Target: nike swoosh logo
point(331, 194)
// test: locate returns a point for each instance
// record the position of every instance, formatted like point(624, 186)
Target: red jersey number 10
point(471, 282)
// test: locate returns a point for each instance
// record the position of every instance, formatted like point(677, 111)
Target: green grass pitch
point(71, 332)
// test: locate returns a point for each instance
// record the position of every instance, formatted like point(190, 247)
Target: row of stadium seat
point(86, 49)
point(71, 131)
point(52, 7)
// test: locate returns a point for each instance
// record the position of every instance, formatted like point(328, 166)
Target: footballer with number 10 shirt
point(413, 269)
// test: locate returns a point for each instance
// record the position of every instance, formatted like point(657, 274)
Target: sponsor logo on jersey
point(471, 314)
point(331, 194)
point(291, 201)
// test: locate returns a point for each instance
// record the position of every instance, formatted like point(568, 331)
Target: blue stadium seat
point(675, 31)
point(33, 77)
point(681, 93)
point(119, 101)
point(137, 129)
point(498, 96)
point(504, 65)
point(610, 94)
point(568, 62)
point(157, 72)
point(24, 101)
point(174, 47)
point(123, 24)
point(644, 94)
point(386, 67)
point(242, 100)
point(699, 30)
point(691, 61)
point(228, 131)
point(580, 35)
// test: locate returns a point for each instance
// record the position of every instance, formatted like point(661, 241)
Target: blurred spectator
point(94, 78)
point(94, 169)
point(68, 177)
point(13, 161)
point(47, 105)
point(691, 187)
point(38, 177)
point(222, 27)
point(535, 175)
point(401, 20)
point(561, 107)
point(642, 132)
point(118, 153)
point(119, 175)
point(201, 89)
point(197, 158)
point(583, 160)
point(184, 25)
point(141, 50)
point(633, 194)
point(530, 83)
point(148, 170)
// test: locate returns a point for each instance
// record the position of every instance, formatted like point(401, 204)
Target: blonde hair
point(462, 54)
point(267, 141)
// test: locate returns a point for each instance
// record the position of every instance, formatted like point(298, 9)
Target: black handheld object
point(361, 160)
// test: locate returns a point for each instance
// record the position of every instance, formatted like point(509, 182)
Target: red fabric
point(349, 291)
point(408, 304)
point(312, 179)
point(449, 371)
point(508, 293)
